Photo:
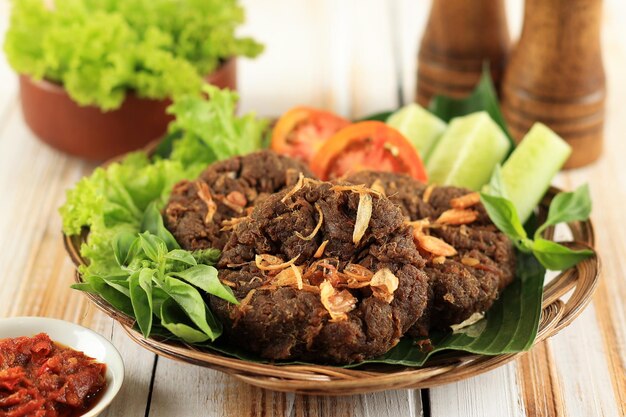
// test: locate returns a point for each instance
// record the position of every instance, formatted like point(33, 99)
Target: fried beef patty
point(462, 284)
point(200, 213)
point(339, 301)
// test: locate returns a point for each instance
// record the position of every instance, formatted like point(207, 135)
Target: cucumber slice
point(527, 173)
point(420, 126)
point(468, 152)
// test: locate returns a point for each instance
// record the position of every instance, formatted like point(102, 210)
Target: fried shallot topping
point(298, 274)
point(295, 188)
point(384, 283)
point(457, 216)
point(358, 189)
point(317, 227)
point(337, 303)
point(246, 300)
point(438, 260)
point(363, 216)
point(465, 201)
point(205, 195)
point(320, 250)
point(434, 245)
point(378, 187)
point(230, 224)
point(266, 262)
point(236, 201)
point(428, 192)
point(289, 277)
point(469, 261)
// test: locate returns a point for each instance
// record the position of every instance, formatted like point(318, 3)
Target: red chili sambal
point(40, 378)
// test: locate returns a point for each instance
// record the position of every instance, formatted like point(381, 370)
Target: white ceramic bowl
point(78, 338)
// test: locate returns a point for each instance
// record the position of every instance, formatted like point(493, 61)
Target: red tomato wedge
point(301, 131)
point(367, 145)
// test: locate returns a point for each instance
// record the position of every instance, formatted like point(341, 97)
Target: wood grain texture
point(451, 61)
point(541, 389)
point(495, 393)
point(555, 75)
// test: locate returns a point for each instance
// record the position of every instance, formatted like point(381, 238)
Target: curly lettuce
point(113, 199)
point(101, 49)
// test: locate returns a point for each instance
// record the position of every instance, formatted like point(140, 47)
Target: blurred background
point(360, 52)
point(346, 55)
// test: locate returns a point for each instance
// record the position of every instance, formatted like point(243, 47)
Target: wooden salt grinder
point(459, 37)
point(555, 75)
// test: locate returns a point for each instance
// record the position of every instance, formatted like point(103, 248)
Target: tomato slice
point(367, 145)
point(301, 131)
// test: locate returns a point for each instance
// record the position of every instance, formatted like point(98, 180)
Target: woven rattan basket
point(564, 298)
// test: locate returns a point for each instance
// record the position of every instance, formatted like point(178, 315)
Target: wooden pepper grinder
point(555, 75)
point(459, 37)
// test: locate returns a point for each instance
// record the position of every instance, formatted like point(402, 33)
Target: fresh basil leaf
point(483, 98)
point(123, 244)
point(205, 277)
point(496, 185)
point(118, 283)
point(181, 256)
point(503, 214)
point(141, 299)
point(557, 257)
point(114, 297)
point(568, 207)
point(158, 298)
point(208, 256)
point(84, 287)
point(153, 246)
point(191, 302)
point(152, 222)
point(174, 319)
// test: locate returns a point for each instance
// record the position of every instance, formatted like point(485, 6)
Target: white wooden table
point(353, 57)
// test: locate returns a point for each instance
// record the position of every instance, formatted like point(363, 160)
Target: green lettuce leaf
point(101, 49)
point(208, 130)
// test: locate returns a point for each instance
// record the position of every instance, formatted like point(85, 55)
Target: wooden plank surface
point(334, 57)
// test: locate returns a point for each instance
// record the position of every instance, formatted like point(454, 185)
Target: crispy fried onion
point(358, 189)
point(246, 300)
point(419, 226)
point(295, 188)
point(439, 260)
point(356, 276)
point(235, 201)
point(289, 277)
point(205, 195)
point(378, 187)
point(363, 216)
point(383, 284)
point(431, 244)
point(337, 303)
point(317, 227)
point(434, 245)
point(238, 312)
point(266, 262)
point(230, 224)
point(428, 192)
point(457, 216)
point(465, 201)
point(320, 250)
point(469, 261)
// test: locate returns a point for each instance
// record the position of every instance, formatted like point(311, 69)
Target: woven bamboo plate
point(564, 298)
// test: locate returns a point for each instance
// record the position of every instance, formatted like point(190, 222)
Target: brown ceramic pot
point(89, 132)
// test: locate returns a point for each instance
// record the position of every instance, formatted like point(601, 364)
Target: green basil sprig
point(158, 279)
point(565, 207)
